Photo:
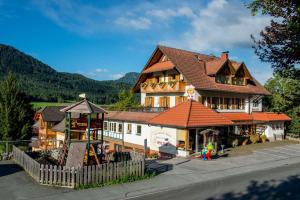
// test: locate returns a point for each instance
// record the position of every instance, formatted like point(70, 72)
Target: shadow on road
point(9, 168)
point(285, 189)
point(158, 167)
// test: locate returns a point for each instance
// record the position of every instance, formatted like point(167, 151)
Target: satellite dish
point(83, 95)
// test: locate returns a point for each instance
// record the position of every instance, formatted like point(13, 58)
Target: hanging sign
point(82, 124)
point(189, 92)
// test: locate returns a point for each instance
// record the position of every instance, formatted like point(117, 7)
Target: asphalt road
point(277, 183)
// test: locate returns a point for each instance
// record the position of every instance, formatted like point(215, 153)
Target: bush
point(263, 138)
point(254, 138)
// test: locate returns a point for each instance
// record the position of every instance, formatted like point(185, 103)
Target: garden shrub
point(254, 138)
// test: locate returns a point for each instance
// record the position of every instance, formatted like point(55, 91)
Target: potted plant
point(263, 138)
point(144, 85)
point(172, 83)
point(254, 138)
point(153, 85)
point(162, 84)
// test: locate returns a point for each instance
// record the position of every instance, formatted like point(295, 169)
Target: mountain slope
point(129, 78)
point(43, 83)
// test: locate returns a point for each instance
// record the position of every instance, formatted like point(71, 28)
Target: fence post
point(6, 148)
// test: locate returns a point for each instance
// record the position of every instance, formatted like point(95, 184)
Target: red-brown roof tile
point(242, 116)
point(192, 66)
point(160, 66)
point(190, 114)
point(270, 116)
point(141, 117)
point(213, 66)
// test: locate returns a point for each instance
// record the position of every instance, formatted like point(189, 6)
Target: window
point(208, 100)
point(105, 126)
point(180, 99)
point(242, 104)
point(164, 101)
point(215, 102)
point(172, 77)
point(255, 103)
point(221, 103)
point(138, 130)
point(149, 101)
point(129, 128)
point(113, 127)
point(120, 128)
point(203, 100)
point(226, 103)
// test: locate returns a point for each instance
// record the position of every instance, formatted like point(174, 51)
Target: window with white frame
point(120, 128)
point(113, 126)
point(105, 126)
point(256, 103)
point(138, 130)
point(129, 128)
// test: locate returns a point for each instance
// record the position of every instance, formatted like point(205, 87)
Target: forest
point(42, 83)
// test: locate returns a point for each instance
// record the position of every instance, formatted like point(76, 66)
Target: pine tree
point(16, 113)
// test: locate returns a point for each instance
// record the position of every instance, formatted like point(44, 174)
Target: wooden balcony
point(162, 87)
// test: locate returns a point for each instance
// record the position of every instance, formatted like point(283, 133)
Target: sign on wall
point(164, 142)
point(190, 92)
point(82, 124)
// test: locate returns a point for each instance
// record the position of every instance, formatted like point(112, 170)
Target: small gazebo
point(88, 108)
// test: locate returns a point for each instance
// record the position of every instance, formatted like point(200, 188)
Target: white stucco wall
point(163, 139)
point(133, 137)
point(274, 128)
point(143, 96)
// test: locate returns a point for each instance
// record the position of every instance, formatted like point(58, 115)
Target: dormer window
point(164, 58)
point(223, 79)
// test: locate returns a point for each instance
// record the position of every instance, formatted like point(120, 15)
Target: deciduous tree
point(279, 43)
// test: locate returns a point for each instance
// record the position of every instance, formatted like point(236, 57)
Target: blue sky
point(104, 39)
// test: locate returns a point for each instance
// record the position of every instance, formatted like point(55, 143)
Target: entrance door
point(192, 139)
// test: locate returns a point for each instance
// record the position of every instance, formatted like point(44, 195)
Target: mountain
point(42, 83)
point(129, 78)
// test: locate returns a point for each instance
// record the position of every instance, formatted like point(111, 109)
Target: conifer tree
point(16, 113)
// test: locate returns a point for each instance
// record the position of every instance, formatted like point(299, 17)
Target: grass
point(38, 105)
point(126, 179)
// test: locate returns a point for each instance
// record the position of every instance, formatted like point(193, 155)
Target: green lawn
point(38, 105)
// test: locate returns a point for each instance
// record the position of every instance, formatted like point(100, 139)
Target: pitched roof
point(236, 65)
point(60, 127)
point(52, 113)
point(83, 106)
point(241, 116)
point(270, 116)
point(160, 66)
point(213, 66)
point(190, 114)
point(141, 117)
point(193, 67)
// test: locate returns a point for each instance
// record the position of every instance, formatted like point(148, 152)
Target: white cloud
point(136, 23)
point(168, 13)
point(221, 25)
point(101, 70)
point(118, 75)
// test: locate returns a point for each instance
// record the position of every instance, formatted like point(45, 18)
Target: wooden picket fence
point(81, 176)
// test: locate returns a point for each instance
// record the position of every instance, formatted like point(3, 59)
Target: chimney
point(224, 55)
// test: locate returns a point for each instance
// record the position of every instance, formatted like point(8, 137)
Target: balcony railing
point(172, 86)
point(112, 135)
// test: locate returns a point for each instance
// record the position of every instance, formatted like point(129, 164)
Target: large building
point(197, 92)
